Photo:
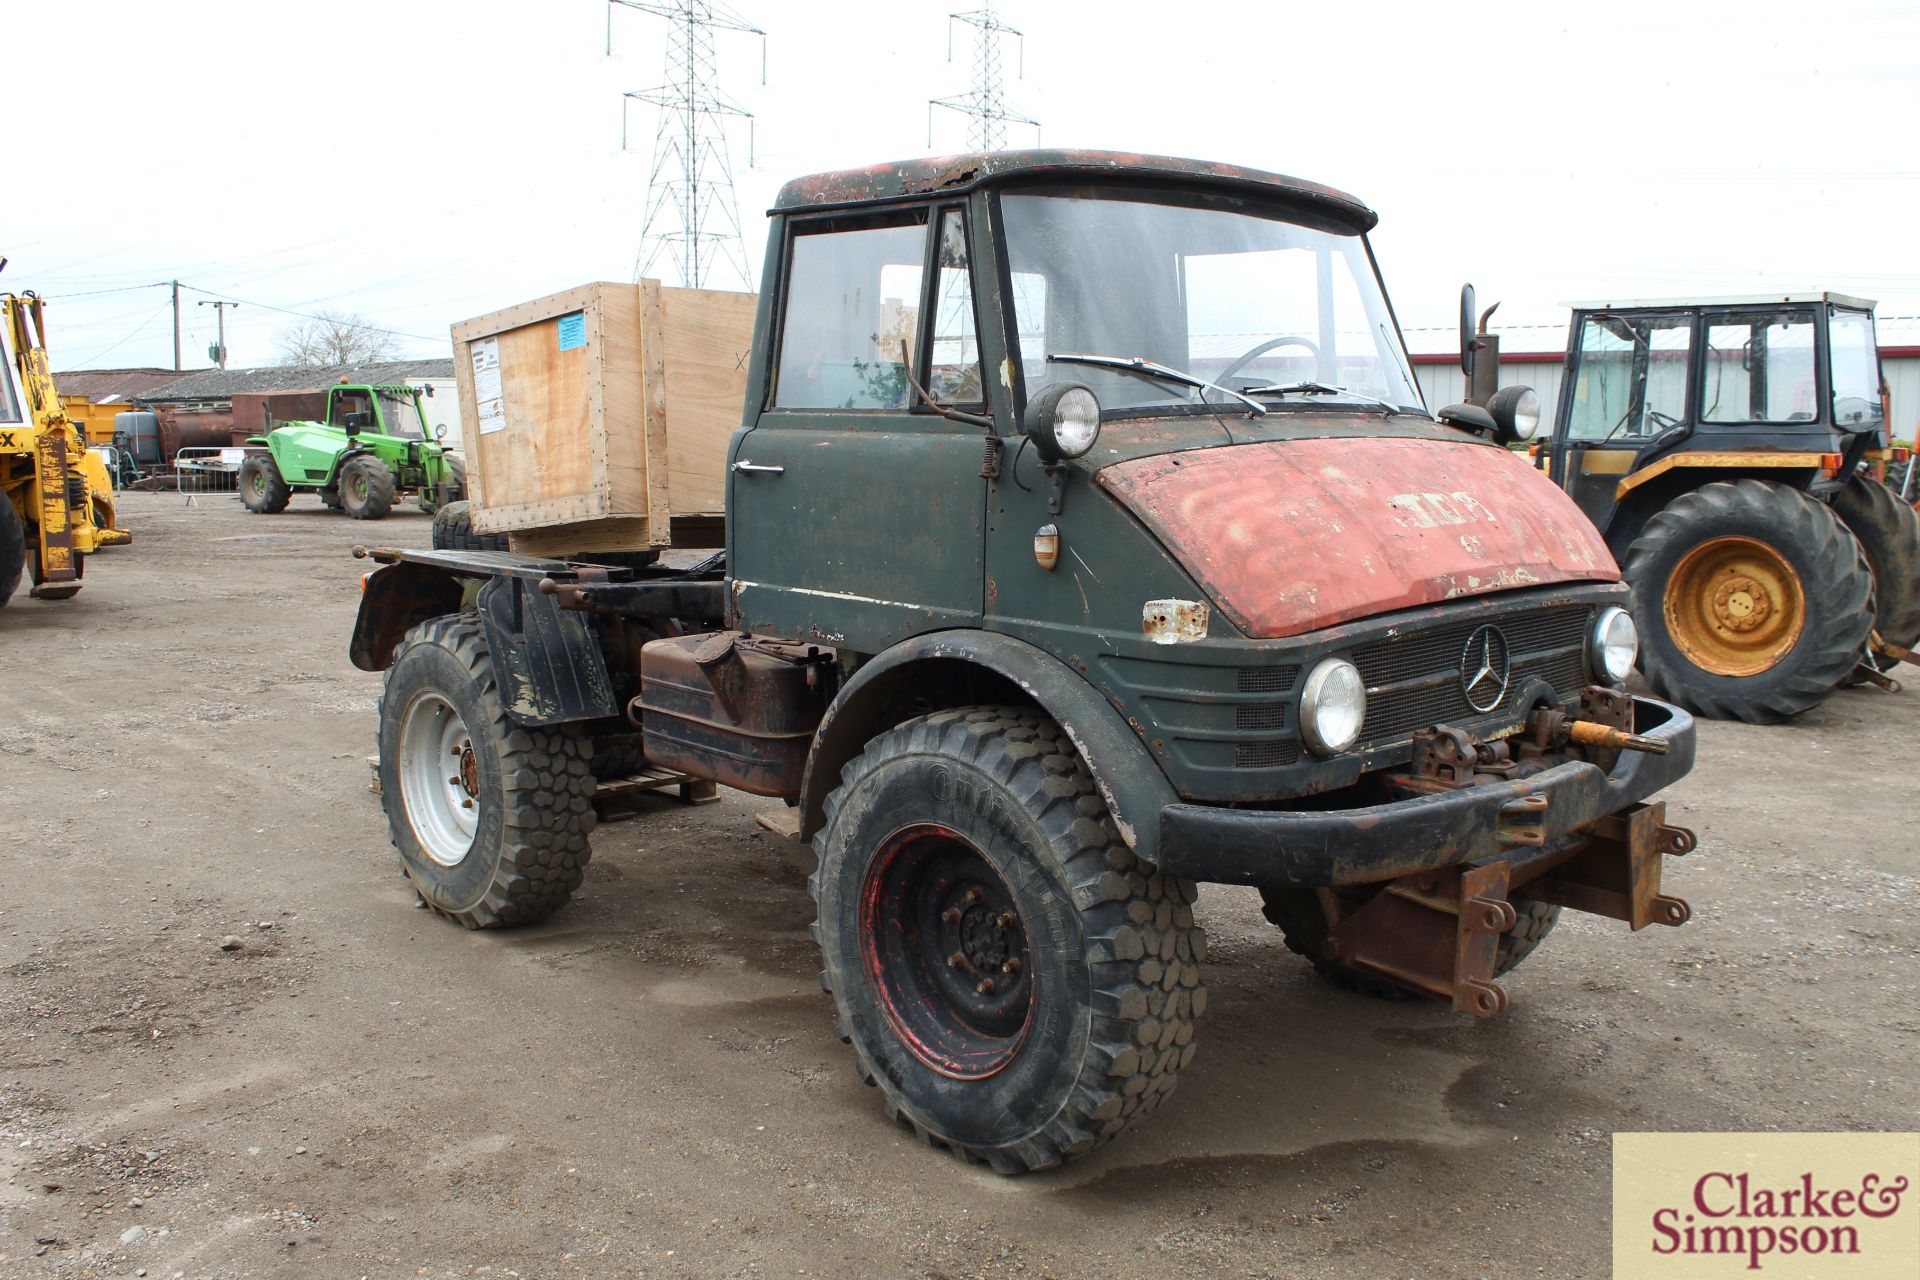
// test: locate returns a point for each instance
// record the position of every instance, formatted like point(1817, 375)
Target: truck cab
point(1087, 539)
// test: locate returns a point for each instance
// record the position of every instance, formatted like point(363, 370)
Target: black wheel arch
point(396, 599)
point(340, 461)
point(946, 669)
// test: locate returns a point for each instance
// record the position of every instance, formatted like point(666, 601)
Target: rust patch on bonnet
point(1291, 536)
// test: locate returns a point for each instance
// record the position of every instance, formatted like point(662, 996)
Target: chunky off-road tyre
point(262, 490)
point(366, 488)
point(1303, 923)
point(452, 487)
point(1018, 987)
point(453, 531)
point(491, 820)
point(1753, 601)
point(13, 549)
point(1889, 534)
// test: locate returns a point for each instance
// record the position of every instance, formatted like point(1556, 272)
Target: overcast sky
point(420, 163)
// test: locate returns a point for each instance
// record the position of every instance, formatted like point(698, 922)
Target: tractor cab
point(1791, 384)
point(380, 410)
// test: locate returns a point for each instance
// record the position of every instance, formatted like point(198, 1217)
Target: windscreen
point(401, 414)
point(1230, 293)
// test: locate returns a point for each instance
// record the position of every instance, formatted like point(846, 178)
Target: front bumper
point(1522, 818)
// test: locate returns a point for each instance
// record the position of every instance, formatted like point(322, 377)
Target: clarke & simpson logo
point(1693, 1206)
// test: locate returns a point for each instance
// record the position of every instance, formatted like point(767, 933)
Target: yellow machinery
point(59, 499)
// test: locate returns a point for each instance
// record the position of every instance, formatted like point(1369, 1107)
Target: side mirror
point(429, 390)
point(1467, 344)
point(355, 423)
point(1063, 421)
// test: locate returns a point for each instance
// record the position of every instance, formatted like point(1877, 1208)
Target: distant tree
point(334, 337)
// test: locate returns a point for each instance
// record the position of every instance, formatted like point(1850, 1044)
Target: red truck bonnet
point(1289, 536)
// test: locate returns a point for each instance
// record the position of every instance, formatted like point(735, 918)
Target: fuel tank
point(1289, 536)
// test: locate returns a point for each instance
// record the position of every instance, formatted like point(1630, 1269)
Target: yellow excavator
point(59, 500)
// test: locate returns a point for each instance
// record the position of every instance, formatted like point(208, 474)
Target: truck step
point(784, 823)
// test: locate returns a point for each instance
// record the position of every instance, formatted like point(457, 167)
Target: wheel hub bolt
point(951, 915)
point(972, 897)
point(986, 987)
point(1011, 967)
point(956, 961)
point(1007, 920)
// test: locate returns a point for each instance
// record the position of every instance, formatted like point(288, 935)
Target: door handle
point(759, 469)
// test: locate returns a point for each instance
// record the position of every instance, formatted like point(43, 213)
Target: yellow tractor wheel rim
point(1735, 607)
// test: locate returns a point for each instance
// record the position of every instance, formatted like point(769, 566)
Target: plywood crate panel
point(598, 419)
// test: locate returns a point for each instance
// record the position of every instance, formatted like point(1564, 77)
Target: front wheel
point(366, 488)
point(1018, 987)
point(491, 820)
point(262, 490)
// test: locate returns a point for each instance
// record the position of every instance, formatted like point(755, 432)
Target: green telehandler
point(372, 447)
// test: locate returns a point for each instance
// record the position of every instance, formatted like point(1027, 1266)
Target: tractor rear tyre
point(491, 820)
point(1753, 601)
point(262, 491)
point(453, 531)
point(366, 488)
point(13, 549)
point(1302, 921)
point(1018, 988)
point(1889, 533)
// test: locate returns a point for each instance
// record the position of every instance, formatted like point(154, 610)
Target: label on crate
point(487, 398)
point(573, 331)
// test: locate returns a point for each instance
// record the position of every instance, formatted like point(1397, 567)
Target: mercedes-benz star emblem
point(1484, 668)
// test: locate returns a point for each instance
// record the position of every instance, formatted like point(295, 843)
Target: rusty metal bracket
point(1437, 932)
point(1523, 821)
point(1618, 873)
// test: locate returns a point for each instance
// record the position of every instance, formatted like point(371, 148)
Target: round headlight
point(1615, 644)
point(1516, 412)
point(1063, 421)
point(1333, 706)
point(1076, 422)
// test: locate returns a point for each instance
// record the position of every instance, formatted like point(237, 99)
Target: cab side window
point(954, 369)
point(9, 405)
point(1759, 369)
point(852, 300)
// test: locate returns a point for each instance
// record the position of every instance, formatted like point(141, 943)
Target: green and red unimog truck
point(1087, 539)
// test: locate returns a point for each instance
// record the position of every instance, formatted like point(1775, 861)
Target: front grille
point(1260, 715)
point(1268, 679)
point(1414, 680)
point(1265, 755)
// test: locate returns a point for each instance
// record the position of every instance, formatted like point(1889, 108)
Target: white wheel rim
point(439, 779)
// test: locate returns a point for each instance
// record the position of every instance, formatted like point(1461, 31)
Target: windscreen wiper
point(1152, 369)
point(1328, 389)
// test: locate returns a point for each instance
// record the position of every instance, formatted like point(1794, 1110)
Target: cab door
point(1625, 397)
point(855, 518)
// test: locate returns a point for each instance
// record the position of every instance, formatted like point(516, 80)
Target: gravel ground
point(230, 1046)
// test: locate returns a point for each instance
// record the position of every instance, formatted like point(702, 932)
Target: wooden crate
point(598, 419)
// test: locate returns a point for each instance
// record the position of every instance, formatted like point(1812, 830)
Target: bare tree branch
point(334, 337)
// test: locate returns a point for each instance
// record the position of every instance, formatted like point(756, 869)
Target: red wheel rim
point(947, 952)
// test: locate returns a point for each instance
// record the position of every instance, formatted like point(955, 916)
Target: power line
point(307, 315)
point(138, 330)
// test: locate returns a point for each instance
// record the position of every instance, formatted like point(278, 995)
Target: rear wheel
point(1889, 534)
point(262, 490)
point(13, 549)
point(1015, 984)
point(491, 820)
point(1303, 922)
point(366, 488)
point(1753, 600)
point(453, 531)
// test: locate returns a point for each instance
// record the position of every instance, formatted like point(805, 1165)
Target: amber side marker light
point(1046, 546)
point(1830, 462)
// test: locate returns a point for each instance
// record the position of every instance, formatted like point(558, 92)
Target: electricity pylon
point(693, 220)
point(983, 105)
